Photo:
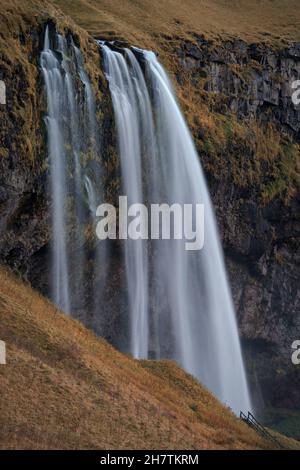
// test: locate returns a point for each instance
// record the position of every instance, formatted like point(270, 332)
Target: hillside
point(271, 20)
point(64, 388)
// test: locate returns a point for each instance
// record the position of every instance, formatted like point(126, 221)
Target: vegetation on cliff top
point(21, 40)
point(255, 155)
point(141, 22)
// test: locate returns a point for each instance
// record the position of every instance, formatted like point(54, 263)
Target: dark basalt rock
point(262, 243)
point(265, 91)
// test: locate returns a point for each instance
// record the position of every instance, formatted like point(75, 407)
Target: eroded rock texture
point(260, 235)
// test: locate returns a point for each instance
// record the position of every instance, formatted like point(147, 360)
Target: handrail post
point(259, 428)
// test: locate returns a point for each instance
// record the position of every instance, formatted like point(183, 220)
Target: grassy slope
point(64, 388)
point(142, 20)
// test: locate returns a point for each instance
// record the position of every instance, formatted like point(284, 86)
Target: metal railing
point(259, 428)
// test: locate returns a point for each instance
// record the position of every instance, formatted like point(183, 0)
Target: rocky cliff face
point(237, 98)
point(23, 206)
point(254, 79)
point(259, 224)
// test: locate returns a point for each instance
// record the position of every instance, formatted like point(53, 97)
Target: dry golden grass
point(286, 442)
point(63, 387)
point(144, 20)
point(19, 18)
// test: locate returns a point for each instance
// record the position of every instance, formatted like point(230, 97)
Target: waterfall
point(180, 304)
point(72, 133)
point(55, 87)
point(125, 101)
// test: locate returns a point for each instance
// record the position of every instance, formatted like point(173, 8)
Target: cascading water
point(55, 86)
point(72, 132)
point(179, 301)
point(126, 105)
